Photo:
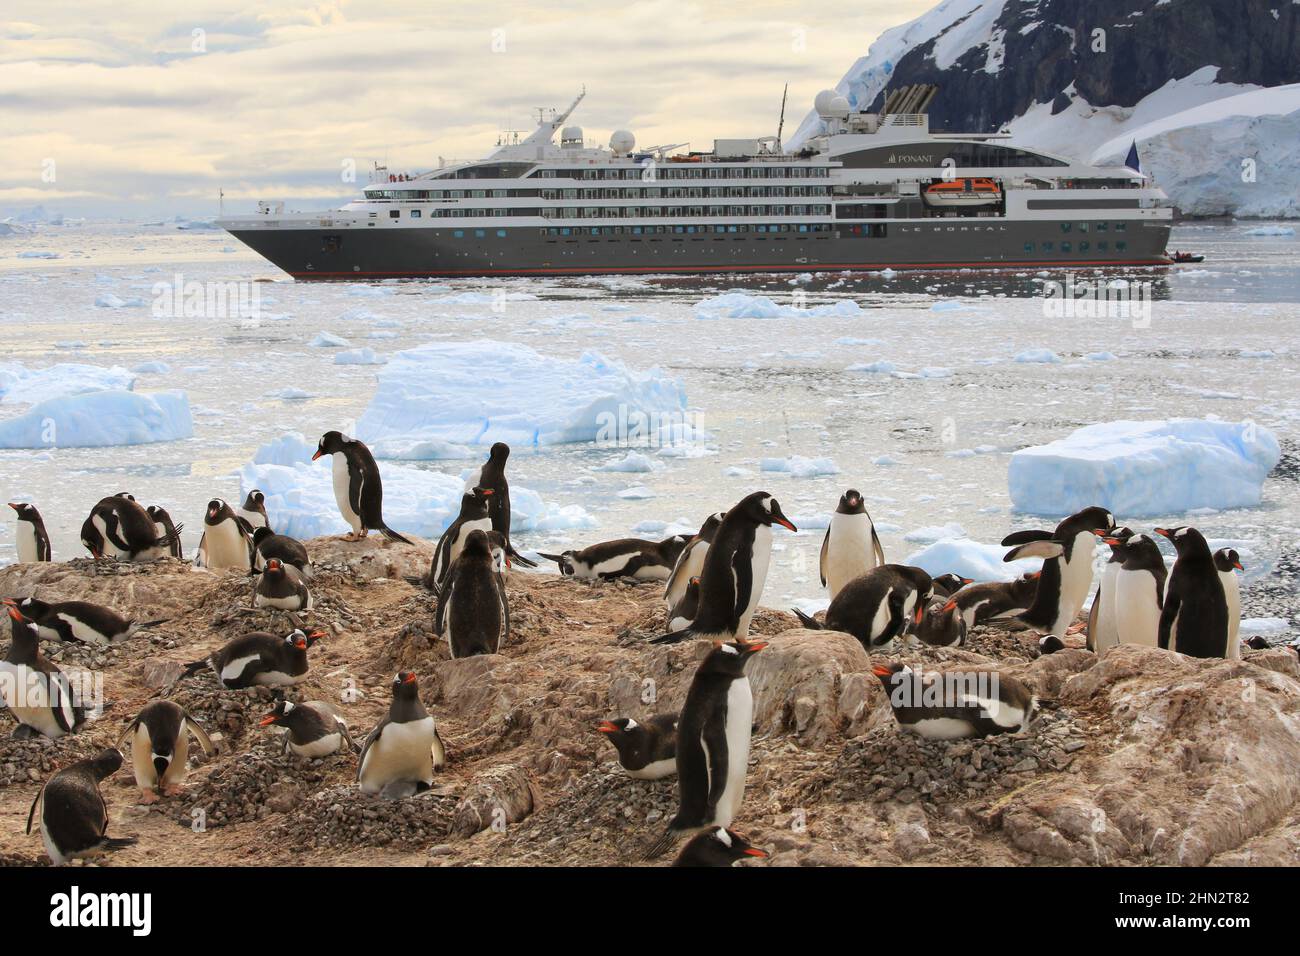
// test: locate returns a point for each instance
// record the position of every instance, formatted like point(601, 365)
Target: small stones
point(344, 817)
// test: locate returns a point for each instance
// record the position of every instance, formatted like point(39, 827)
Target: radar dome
point(839, 108)
point(622, 141)
point(822, 102)
point(571, 136)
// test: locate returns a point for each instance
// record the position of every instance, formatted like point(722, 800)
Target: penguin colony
point(712, 582)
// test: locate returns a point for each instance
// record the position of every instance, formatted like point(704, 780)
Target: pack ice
point(477, 393)
point(1143, 469)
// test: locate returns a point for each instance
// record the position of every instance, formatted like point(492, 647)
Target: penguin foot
point(23, 732)
point(175, 790)
point(149, 796)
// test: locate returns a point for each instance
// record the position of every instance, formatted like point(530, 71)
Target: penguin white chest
point(342, 489)
point(740, 719)
point(1107, 633)
point(849, 551)
point(760, 558)
point(1137, 613)
point(26, 693)
point(1232, 598)
point(26, 539)
point(1076, 581)
point(402, 752)
point(689, 565)
point(225, 546)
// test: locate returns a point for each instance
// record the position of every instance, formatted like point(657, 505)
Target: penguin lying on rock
point(311, 729)
point(647, 749)
point(259, 658)
point(877, 607)
point(622, 558)
point(717, 846)
point(957, 703)
point(79, 621)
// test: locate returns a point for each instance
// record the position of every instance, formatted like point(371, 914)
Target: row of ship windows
point(666, 171)
point(1096, 226)
point(563, 231)
point(1102, 245)
point(615, 212)
point(626, 192)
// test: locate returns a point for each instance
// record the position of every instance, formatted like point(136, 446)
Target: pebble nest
point(220, 711)
point(888, 764)
point(342, 816)
point(261, 783)
point(34, 759)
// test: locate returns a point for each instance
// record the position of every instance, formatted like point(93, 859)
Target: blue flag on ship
point(1131, 161)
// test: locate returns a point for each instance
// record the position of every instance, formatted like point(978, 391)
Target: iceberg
point(741, 305)
point(21, 385)
point(480, 392)
point(362, 356)
point(970, 559)
point(1145, 468)
point(300, 496)
point(797, 466)
point(100, 419)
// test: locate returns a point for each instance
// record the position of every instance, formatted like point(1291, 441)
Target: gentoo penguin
point(290, 551)
point(735, 571)
point(717, 847)
point(1139, 590)
point(123, 529)
point(401, 754)
point(492, 477)
point(92, 539)
point(473, 517)
point(879, 606)
point(259, 658)
point(681, 616)
point(850, 547)
point(946, 585)
point(1227, 562)
point(621, 558)
point(281, 587)
point(1195, 616)
point(990, 600)
point(1102, 632)
point(1067, 569)
point(39, 695)
point(74, 819)
point(32, 540)
point(942, 625)
point(948, 705)
point(160, 748)
point(647, 749)
point(691, 561)
point(253, 511)
point(311, 729)
point(713, 742)
point(79, 621)
point(358, 488)
point(472, 610)
point(225, 543)
point(166, 529)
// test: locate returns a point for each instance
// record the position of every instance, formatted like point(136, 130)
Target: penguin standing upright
point(32, 540)
point(647, 749)
point(166, 529)
point(735, 571)
point(1227, 562)
point(1194, 620)
point(253, 511)
point(473, 516)
point(492, 477)
point(1102, 632)
point(472, 608)
point(717, 846)
point(691, 561)
point(851, 546)
point(312, 728)
point(281, 587)
point(957, 703)
point(160, 748)
point(74, 818)
point(1067, 570)
point(79, 621)
point(358, 488)
point(290, 551)
point(225, 543)
point(259, 658)
point(1139, 590)
point(36, 692)
point(713, 732)
point(878, 607)
point(402, 752)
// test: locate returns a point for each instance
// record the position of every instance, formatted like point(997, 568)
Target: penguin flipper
point(742, 572)
point(505, 611)
point(200, 735)
point(821, 562)
point(672, 637)
point(130, 729)
point(1091, 641)
point(347, 736)
point(111, 844)
point(1045, 549)
point(438, 750)
point(551, 557)
point(807, 620)
point(1023, 537)
point(518, 558)
point(1167, 615)
point(876, 548)
point(31, 814)
point(661, 845)
point(444, 599)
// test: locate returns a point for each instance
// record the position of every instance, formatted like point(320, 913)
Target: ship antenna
point(781, 125)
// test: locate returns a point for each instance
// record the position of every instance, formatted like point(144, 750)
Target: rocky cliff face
point(1140, 757)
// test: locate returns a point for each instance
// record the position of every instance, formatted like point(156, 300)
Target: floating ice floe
point(328, 340)
point(106, 300)
point(152, 368)
point(1263, 625)
point(637, 493)
point(1037, 357)
point(633, 462)
point(480, 392)
point(741, 305)
point(300, 496)
point(797, 466)
point(1145, 468)
point(21, 385)
point(969, 559)
point(1270, 231)
point(100, 419)
point(880, 367)
point(362, 356)
point(929, 535)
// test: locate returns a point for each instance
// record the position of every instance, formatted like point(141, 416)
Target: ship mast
point(546, 129)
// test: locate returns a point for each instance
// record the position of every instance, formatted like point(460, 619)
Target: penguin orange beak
point(1107, 539)
point(1035, 575)
point(755, 851)
point(785, 523)
point(1237, 565)
point(301, 644)
point(409, 678)
point(880, 670)
point(967, 580)
point(695, 580)
point(948, 607)
point(14, 613)
point(317, 455)
point(753, 647)
point(1163, 532)
point(487, 492)
point(1100, 532)
point(266, 721)
point(918, 614)
point(606, 727)
point(14, 506)
point(10, 602)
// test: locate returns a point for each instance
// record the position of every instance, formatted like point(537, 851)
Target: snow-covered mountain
point(1204, 86)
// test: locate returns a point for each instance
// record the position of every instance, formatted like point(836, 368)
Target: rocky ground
point(1141, 757)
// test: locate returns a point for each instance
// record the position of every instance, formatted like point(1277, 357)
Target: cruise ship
point(871, 191)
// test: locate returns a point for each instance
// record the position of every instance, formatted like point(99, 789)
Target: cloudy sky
point(146, 109)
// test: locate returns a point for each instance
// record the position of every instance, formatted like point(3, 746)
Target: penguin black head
point(23, 629)
point(1227, 559)
point(105, 763)
point(499, 452)
point(255, 500)
point(564, 560)
point(91, 539)
point(31, 608)
point(156, 512)
point(260, 534)
point(301, 640)
point(1089, 519)
point(627, 736)
point(763, 509)
point(717, 846)
point(851, 503)
point(1186, 539)
point(406, 686)
point(951, 583)
point(888, 674)
point(1115, 538)
point(730, 657)
point(477, 546)
point(330, 443)
point(218, 511)
point(129, 497)
point(274, 568)
point(279, 714)
point(26, 512)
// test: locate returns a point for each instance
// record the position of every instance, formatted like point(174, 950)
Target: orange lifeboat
point(963, 192)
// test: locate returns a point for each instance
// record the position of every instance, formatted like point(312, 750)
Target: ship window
point(1121, 226)
point(1121, 246)
point(1029, 247)
point(1047, 246)
point(1083, 246)
point(1065, 247)
point(479, 233)
point(1103, 246)
point(501, 233)
point(1065, 227)
point(1083, 227)
point(415, 214)
point(458, 234)
point(394, 213)
point(1101, 227)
